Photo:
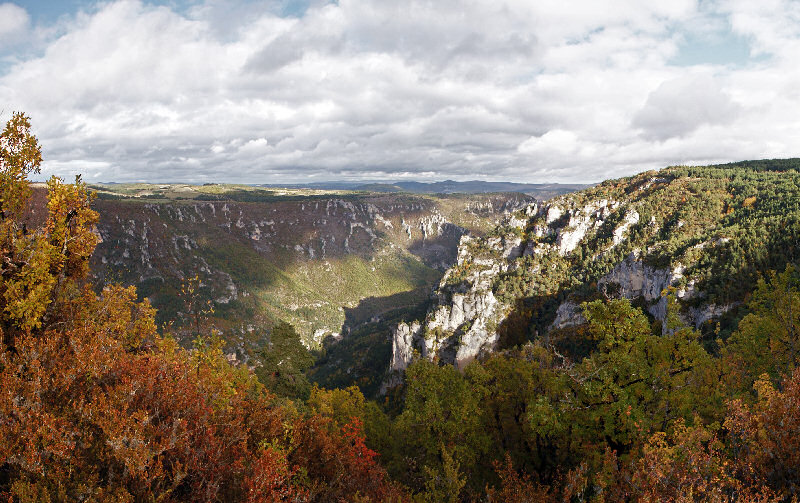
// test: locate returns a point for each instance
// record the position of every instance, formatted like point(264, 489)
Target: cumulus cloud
point(680, 106)
point(14, 23)
point(515, 90)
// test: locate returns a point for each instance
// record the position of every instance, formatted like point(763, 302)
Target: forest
point(98, 403)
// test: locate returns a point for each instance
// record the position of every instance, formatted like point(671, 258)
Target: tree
point(687, 465)
point(344, 405)
point(765, 437)
point(767, 339)
point(635, 382)
point(284, 361)
point(340, 463)
point(197, 310)
point(441, 413)
point(516, 487)
point(96, 406)
point(40, 267)
point(517, 391)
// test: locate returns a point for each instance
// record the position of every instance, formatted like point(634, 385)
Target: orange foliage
point(689, 465)
point(766, 436)
point(516, 487)
point(270, 480)
point(343, 463)
point(95, 406)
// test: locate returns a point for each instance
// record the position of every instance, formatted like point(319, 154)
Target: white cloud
point(519, 90)
point(556, 141)
point(680, 106)
point(14, 24)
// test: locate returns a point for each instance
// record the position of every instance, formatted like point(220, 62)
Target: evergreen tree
point(284, 361)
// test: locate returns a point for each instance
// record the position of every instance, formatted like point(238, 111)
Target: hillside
point(324, 261)
point(703, 234)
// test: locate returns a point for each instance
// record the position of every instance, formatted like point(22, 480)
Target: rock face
point(135, 235)
point(631, 218)
point(544, 249)
point(461, 325)
point(636, 279)
point(632, 278)
point(568, 314)
point(709, 312)
point(407, 338)
point(156, 246)
point(457, 328)
point(581, 221)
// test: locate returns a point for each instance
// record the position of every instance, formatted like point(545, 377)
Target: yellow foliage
point(39, 265)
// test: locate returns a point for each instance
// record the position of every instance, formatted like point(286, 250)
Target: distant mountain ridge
point(538, 190)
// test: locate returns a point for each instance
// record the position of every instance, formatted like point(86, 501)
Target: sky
point(248, 91)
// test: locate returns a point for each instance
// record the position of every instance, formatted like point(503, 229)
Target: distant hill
point(537, 190)
point(381, 187)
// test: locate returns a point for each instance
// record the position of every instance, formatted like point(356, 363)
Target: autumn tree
point(765, 436)
point(96, 406)
point(344, 405)
point(516, 487)
point(687, 465)
point(197, 310)
point(40, 267)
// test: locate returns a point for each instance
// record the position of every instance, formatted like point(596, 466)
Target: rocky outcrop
point(579, 235)
point(553, 213)
point(569, 314)
point(631, 218)
point(633, 278)
point(460, 326)
point(462, 323)
point(700, 315)
point(581, 221)
point(405, 338)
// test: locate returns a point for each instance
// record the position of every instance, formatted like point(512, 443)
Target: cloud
point(14, 23)
point(516, 90)
point(556, 141)
point(680, 106)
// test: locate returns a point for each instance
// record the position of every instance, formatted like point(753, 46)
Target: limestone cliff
point(461, 325)
point(308, 260)
point(642, 238)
